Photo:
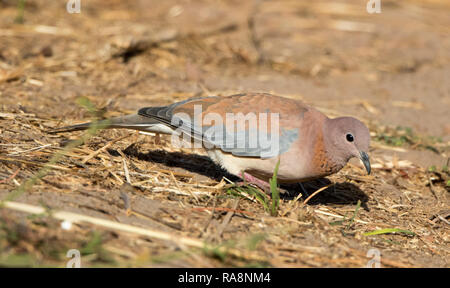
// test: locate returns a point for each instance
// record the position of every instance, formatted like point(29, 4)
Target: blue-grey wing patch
point(250, 143)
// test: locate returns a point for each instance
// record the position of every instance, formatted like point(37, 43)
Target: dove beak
point(365, 160)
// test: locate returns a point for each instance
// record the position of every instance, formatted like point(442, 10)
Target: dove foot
point(261, 184)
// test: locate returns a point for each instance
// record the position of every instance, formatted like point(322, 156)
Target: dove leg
point(261, 184)
point(255, 181)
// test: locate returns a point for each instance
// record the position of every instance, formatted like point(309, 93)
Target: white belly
point(261, 168)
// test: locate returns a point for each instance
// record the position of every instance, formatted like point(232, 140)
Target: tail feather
point(135, 122)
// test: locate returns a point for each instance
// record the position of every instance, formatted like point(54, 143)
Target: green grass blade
point(274, 190)
point(388, 231)
point(358, 205)
point(240, 191)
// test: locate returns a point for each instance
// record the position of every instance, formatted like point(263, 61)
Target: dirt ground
point(391, 70)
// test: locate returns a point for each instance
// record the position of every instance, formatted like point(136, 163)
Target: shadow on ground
point(340, 193)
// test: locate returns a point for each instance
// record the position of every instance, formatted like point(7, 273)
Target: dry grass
point(133, 200)
point(172, 210)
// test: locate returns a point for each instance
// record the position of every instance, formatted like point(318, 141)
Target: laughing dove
point(248, 133)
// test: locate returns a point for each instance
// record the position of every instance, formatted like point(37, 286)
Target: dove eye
point(349, 137)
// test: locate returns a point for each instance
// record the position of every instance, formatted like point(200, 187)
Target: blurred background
point(389, 69)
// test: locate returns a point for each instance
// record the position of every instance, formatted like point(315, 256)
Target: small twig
point(339, 216)
point(179, 188)
point(176, 191)
point(10, 177)
point(157, 170)
point(294, 202)
point(95, 153)
point(317, 192)
point(227, 218)
point(29, 150)
point(222, 209)
point(443, 219)
point(115, 176)
point(125, 167)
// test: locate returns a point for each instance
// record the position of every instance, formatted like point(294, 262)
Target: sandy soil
point(390, 70)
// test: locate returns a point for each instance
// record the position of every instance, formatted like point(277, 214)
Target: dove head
point(347, 137)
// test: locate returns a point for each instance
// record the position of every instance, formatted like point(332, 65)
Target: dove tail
point(135, 122)
point(79, 127)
